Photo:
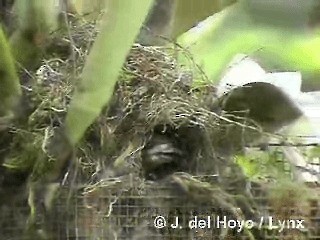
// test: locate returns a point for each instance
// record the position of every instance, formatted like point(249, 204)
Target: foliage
point(9, 82)
point(264, 166)
point(104, 63)
point(236, 30)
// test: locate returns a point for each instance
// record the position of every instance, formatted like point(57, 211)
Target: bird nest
point(160, 147)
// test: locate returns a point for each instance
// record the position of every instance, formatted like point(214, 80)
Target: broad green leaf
point(234, 31)
point(9, 82)
point(119, 29)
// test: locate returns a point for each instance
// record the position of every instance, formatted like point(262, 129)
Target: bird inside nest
point(163, 155)
point(265, 104)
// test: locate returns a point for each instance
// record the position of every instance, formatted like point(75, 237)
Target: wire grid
point(129, 215)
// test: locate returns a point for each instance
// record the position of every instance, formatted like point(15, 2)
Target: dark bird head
point(162, 156)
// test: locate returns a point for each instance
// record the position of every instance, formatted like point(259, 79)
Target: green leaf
point(249, 166)
point(9, 82)
point(119, 29)
point(234, 30)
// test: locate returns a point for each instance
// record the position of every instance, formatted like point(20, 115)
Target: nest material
point(154, 97)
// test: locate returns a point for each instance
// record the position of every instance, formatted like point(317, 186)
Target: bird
point(161, 156)
point(264, 103)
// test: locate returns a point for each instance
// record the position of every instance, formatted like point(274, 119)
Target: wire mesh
point(114, 212)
